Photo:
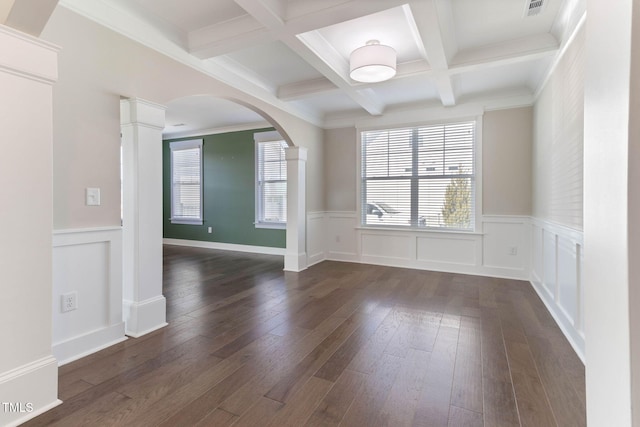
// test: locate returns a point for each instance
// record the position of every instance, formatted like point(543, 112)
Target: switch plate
point(93, 196)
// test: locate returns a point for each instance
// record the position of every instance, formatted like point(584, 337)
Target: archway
point(142, 134)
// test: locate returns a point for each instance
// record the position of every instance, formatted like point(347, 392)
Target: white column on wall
point(144, 308)
point(28, 370)
point(611, 230)
point(296, 256)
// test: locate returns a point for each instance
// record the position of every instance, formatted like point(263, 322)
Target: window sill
point(271, 225)
point(417, 230)
point(185, 221)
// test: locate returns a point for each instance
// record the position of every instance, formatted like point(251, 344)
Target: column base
point(295, 262)
point(144, 317)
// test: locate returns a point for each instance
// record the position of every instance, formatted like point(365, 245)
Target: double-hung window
point(186, 182)
point(271, 180)
point(419, 177)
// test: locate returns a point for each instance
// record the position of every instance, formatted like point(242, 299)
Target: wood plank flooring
point(338, 344)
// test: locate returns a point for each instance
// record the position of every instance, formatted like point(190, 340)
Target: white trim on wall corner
point(226, 246)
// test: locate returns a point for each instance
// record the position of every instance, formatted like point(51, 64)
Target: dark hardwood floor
point(338, 344)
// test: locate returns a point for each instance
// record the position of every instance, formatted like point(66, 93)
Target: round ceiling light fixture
point(372, 63)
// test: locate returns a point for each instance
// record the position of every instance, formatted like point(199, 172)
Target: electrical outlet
point(69, 301)
point(513, 250)
point(210, 230)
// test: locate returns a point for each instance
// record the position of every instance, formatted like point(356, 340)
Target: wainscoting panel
point(501, 250)
point(556, 276)
point(506, 242)
point(550, 257)
point(87, 262)
point(341, 239)
point(387, 245)
point(449, 250)
point(315, 237)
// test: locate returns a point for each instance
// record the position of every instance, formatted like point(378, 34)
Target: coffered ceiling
point(295, 53)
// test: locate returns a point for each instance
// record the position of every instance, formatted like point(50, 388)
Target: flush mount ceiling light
point(372, 63)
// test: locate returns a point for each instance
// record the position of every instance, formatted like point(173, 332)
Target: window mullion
point(415, 181)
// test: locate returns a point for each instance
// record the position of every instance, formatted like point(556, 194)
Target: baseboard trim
point(35, 413)
point(501, 273)
point(226, 246)
point(315, 259)
point(35, 383)
point(89, 343)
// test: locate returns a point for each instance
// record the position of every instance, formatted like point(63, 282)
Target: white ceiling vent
point(533, 7)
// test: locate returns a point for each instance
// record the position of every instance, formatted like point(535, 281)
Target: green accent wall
point(228, 193)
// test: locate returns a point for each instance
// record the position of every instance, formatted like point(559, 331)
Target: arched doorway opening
point(143, 124)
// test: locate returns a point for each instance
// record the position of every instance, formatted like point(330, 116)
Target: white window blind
point(419, 177)
point(186, 182)
point(271, 184)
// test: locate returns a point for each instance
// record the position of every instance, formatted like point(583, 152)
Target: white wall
point(557, 187)
point(28, 371)
point(558, 141)
point(611, 278)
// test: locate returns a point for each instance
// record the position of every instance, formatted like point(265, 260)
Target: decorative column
point(144, 308)
point(28, 369)
point(295, 258)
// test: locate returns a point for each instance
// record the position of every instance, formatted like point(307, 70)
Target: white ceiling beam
point(447, 28)
point(313, 48)
point(424, 15)
point(307, 88)
point(269, 13)
point(304, 89)
point(227, 36)
point(309, 15)
point(319, 53)
point(282, 18)
point(511, 52)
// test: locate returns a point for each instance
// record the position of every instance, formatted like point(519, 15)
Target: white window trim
point(477, 181)
point(258, 138)
point(184, 145)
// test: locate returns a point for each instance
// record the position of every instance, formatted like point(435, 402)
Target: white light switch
point(93, 196)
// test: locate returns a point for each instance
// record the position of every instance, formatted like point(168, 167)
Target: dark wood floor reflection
point(338, 344)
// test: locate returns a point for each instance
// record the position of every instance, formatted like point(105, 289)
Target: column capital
point(296, 153)
point(142, 112)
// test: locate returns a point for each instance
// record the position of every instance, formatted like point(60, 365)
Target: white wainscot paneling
point(426, 250)
point(537, 261)
point(556, 276)
point(463, 251)
point(340, 237)
point(387, 245)
point(89, 263)
point(316, 231)
point(549, 259)
point(506, 245)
